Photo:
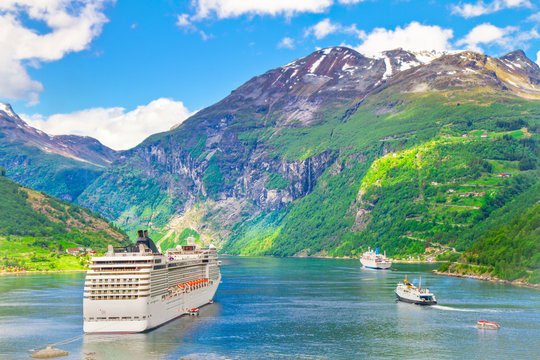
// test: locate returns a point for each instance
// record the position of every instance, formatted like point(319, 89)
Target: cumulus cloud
point(507, 38)
point(326, 27)
point(534, 17)
point(223, 9)
point(322, 29)
point(538, 58)
point(71, 25)
point(469, 10)
point(414, 37)
point(286, 43)
point(115, 127)
point(182, 20)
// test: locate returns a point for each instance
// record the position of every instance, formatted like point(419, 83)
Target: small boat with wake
point(407, 292)
point(488, 325)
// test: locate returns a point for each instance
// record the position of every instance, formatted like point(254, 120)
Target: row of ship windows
point(114, 291)
point(116, 318)
point(114, 280)
point(116, 297)
point(116, 286)
point(117, 269)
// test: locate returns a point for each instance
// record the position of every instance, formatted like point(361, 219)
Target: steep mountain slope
point(61, 165)
point(280, 165)
point(35, 228)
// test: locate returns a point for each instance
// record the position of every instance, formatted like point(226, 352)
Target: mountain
point(337, 151)
point(35, 229)
point(61, 165)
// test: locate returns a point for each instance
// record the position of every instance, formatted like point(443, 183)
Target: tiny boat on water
point(489, 325)
point(194, 312)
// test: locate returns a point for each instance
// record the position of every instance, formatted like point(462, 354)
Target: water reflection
point(269, 308)
point(155, 344)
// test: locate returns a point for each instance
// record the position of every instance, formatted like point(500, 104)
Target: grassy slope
point(56, 175)
point(430, 125)
point(35, 229)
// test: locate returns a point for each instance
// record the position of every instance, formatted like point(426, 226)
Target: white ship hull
point(136, 288)
point(151, 313)
point(372, 264)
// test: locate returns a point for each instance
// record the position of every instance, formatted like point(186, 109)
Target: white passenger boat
point(407, 292)
point(137, 288)
point(373, 260)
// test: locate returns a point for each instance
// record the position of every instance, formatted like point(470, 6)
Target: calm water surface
point(268, 308)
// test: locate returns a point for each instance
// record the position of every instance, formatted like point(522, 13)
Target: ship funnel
point(145, 233)
point(141, 233)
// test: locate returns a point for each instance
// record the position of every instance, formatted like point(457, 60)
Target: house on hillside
point(74, 251)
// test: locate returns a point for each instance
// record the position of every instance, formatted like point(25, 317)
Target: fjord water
point(272, 308)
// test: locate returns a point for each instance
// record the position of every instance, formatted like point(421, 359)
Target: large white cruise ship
point(137, 288)
point(373, 260)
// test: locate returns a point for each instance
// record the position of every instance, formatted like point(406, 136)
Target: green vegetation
point(276, 181)
point(35, 229)
point(512, 250)
point(435, 187)
point(54, 174)
point(213, 177)
point(181, 239)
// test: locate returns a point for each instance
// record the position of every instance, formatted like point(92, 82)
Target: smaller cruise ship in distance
point(407, 292)
point(371, 259)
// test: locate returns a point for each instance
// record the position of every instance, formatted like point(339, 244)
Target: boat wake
point(449, 308)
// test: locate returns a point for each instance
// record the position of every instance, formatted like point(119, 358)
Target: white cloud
point(326, 27)
point(286, 43)
point(182, 20)
point(72, 26)
point(414, 37)
point(469, 10)
point(534, 17)
point(507, 38)
point(115, 127)
point(233, 8)
point(538, 58)
point(322, 29)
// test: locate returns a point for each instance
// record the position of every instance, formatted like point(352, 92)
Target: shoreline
point(27, 272)
point(488, 278)
point(335, 257)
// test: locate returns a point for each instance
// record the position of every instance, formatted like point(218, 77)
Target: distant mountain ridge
point(80, 148)
point(62, 165)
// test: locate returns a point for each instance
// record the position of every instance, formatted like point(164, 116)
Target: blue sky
point(100, 67)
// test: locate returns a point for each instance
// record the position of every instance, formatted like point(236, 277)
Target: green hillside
point(55, 174)
point(36, 229)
